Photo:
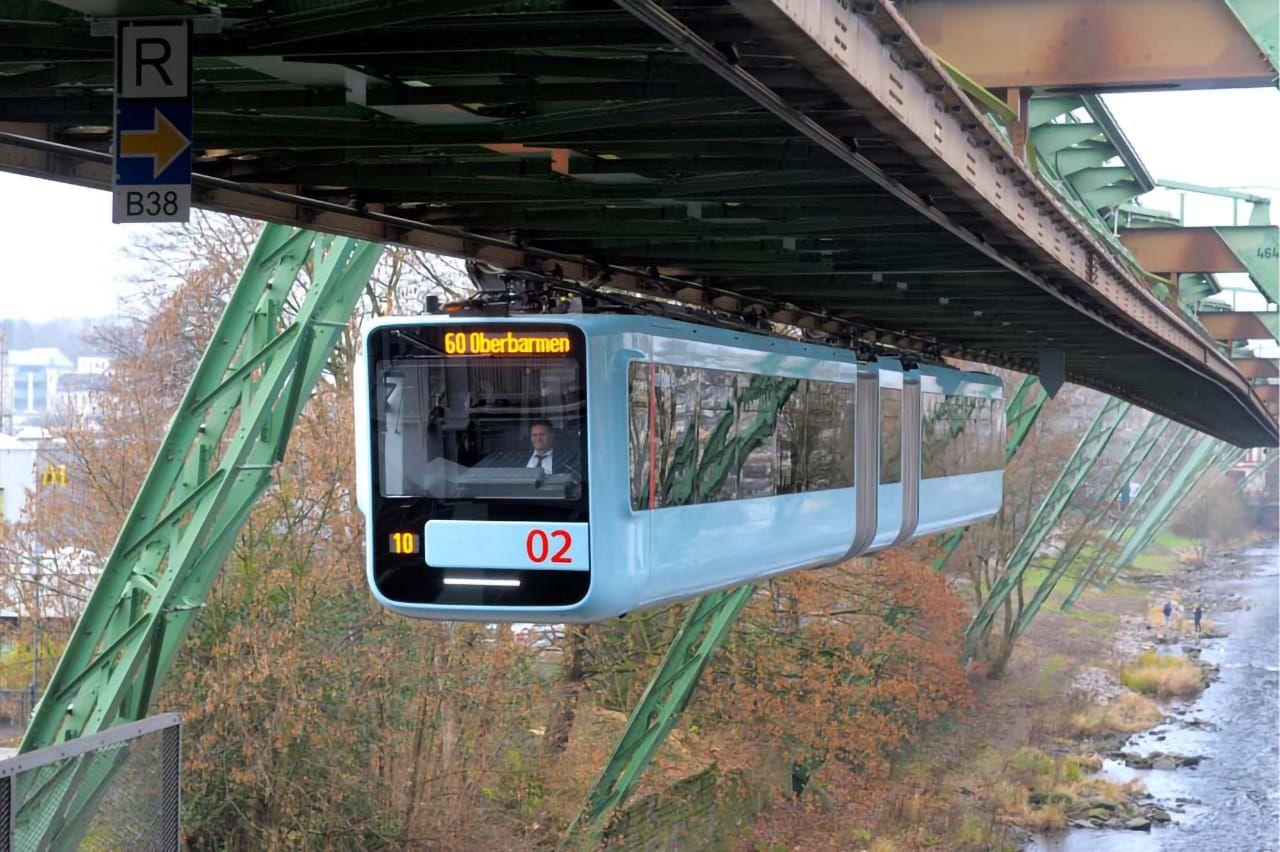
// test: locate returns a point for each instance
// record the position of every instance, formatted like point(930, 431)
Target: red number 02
point(537, 546)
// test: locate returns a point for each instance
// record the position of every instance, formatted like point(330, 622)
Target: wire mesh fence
point(115, 790)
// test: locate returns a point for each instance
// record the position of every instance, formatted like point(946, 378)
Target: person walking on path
point(1198, 613)
point(1168, 611)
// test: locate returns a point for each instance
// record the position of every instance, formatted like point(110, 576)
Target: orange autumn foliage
point(314, 719)
point(838, 668)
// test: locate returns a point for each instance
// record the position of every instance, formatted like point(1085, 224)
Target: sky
point(64, 258)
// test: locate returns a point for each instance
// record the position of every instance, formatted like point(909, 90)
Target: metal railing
point(121, 791)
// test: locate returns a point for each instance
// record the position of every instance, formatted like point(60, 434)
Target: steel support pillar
point(1133, 459)
point(218, 454)
point(704, 629)
point(1020, 415)
point(1202, 457)
point(1162, 466)
point(1086, 454)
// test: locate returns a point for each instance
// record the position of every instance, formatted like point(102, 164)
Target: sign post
point(151, 168)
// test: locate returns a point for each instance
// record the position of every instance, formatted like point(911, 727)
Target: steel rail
point(641, 278)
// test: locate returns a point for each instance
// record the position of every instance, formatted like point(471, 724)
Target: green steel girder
point(1020, 415)
point(1082, 460)
point(1261, 18)
point(1258, 248)
point(1162, 467)
point(1133, 459)
point(218, 454)
point(1200, 460)
point(705, 627)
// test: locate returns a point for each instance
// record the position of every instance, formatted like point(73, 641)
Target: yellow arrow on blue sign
point(163, 142)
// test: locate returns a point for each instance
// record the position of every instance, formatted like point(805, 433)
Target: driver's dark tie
point(540, 458)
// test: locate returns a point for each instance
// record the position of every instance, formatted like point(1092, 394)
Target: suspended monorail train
point(576, 467)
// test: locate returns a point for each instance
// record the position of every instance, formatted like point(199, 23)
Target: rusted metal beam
point(1092, 44)
point(1258, 368)
point(1181, 250)
point(1235, 325)
point(870, 57)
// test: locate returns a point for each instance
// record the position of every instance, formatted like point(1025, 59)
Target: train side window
point(981, 434)
point(821, 428)
point(791, 441)
point(717, 436)
point(675, 468)
point(890, 436)
point(933, 436)
point(828, 459)
point(844, 398)
point(760, 400)
point(638, 411)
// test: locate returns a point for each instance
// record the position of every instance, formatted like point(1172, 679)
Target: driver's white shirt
point(546, 461)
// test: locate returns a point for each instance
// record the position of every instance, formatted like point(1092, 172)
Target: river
point(1234, 795)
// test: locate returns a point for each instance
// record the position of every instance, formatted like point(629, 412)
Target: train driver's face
point(541, 438)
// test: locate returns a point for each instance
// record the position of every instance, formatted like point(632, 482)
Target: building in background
point(31, 384)
point(39, 386)
point(19, 470)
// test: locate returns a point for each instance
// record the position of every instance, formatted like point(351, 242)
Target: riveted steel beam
point(1239, 325)
point(1093, 45)
point(1181, 250)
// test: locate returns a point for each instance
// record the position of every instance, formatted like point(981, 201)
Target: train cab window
point(488, 434)
point(890, 436)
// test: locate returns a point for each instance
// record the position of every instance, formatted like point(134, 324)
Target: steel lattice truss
point(710, 151)
point(227, 436)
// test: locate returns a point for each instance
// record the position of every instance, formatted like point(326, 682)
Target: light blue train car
point(575, 467)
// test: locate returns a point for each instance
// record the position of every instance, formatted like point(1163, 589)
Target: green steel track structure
point(623, 138)
point(1133, 459)
point(1207, 453)
point(1161, 469)
point(705, 627)
point(1082, 460)
point(1021, 413)
point(218, 454)
point(1198, 461)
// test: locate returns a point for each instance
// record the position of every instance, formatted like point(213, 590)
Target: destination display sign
point(506, 343)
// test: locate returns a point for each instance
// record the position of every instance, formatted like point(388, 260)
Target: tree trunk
point(560, 724)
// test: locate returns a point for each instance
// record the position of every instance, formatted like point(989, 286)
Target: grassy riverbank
point(1022, 760)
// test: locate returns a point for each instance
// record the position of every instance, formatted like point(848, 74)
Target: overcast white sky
point(62, 257)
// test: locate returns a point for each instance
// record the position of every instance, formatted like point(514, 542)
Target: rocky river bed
point(1213, 766)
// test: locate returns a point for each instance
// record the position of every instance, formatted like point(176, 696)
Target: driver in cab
point(542, 437)
point(543, 453)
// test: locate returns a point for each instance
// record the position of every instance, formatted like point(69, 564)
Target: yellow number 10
point(404, 542)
